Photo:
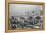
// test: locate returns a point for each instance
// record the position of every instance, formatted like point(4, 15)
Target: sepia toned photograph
point(25, 16)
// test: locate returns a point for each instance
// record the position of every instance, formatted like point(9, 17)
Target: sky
point(24, 9)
